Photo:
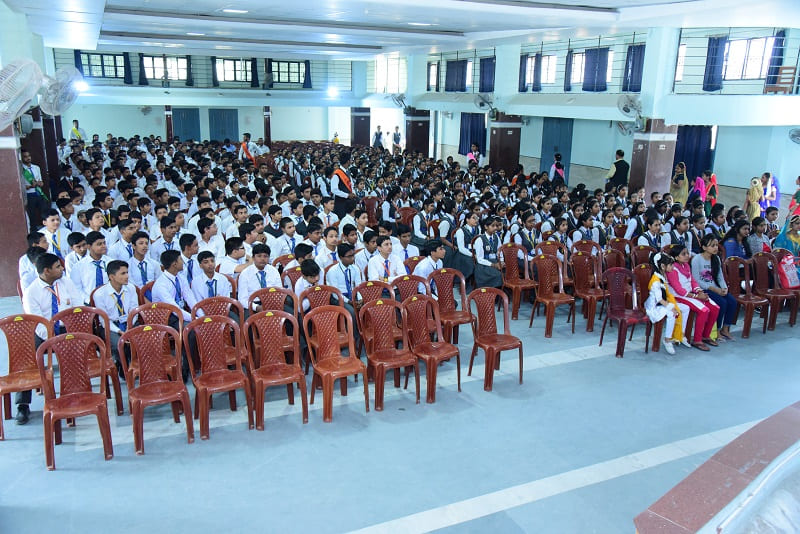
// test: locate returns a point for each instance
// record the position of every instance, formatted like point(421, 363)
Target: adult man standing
point(248, 149)
point(618, 173)
point(341, 187)
point(77, 132)
point(32, 180)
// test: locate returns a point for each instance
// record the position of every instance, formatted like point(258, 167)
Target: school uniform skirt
point(461, 263)
point(486, 276)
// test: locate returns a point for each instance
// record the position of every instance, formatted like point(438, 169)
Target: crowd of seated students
point(183, 220)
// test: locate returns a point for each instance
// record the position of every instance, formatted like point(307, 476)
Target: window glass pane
point(755, 58)
point(735, 57)
point(432, 75)
point(549, 69)
point(610, 71)
point(767, 56)
point(469, 73)
point(529, 70)
point(681, 61)
point(576, 76)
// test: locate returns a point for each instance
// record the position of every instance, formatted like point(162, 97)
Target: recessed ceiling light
point(223, 47)
point(236, 11)
point(421, 24)
point(193, 34)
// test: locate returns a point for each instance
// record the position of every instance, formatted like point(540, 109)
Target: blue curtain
point(776, 60)
point(693, 147)
point(456, 76)
point(715, 59)
point(634, 63)
point(254, 72)
point(269, 75)
point(307, 79)
point(126, 69)
point(523, 71)
point(189, 75)
point(142, 73)
point(568, 72)
point(487, 75)
point(537, 73)
point(473, 130)
point(78, 62)
point(595, 69)
point(214, 79)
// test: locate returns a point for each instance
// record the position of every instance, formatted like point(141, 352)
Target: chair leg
point(248, 397)
point(327, 398)
point(793, 311)
point(57, 431)
point(301, 385)
point(380, 379)
point(186, 402)
point(232, 399)
point(572, 307)
point(749, 311)
point(516, 295)
point(137, 415)
point(550, 316)
point(49, 446)
point(472, 358)
point(764, 314)
point(416, 378)
point(658, 333)
point(458, 371)
point(647, 330)
point(290, 393)
point(623, 327)
point(343, 387)
point(7, 405)
point(488, 373)
point(396, 376)
point(591, 310)
point(2, 435)
point(431, 368)
point(366, 389)
point(520, 364)
point(454, 335)
point(117, 391)
point(314, 382)
point(105, 431)
point(259, 407)
point(204, 409)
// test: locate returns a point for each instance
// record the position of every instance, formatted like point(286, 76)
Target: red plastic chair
point(427, 343)
point(587, 246)
point(23, 374)
point(586, 272)
point(620, 244)
point(157, 313)
point(224, 306)
point(614, 258)
point(321, 296)
point(73, 354)
point(768, 285)
point(274, 299)
point(642, 254)
point(291, 276)
point(549, 271)
point(620, 230)
point(143, 291)
point(325, 272)
point(371, 207)
point(449, 313)
point(407, 285)
point(406, 215)
point(617, 280)
point(282, 261)
point(86, 320)
point(411, 263)
point(214, 376)
point(269, 358)
point(155, 386)
point(486, 336)
point(367, 292)
point(382, 317)
point(322, 326)
point(518, 283)
point(732, 269)
point(554, 248)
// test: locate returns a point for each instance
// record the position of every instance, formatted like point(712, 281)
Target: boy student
point(117, 298)
point(48, 294)
point(432, 262)
point(249, 236)
point(384, 266)
point(191, 268)
point(66, 210)
point(90, 272)
point(123, 249)
point(144, 206)
point(314, 237)
point(209, 283)
point(771, 215)
point(310, 277)
point(257, 276)
point(328, 254)
point(302, 253)
point(369, 251)
point(274, 225)
point(167, 240)
point(328, 217)
point(141, 267)
point(345, 276)
point(350, 235)
point(55, 235)
point(209, 239)
point(234, 261)
point(77, 245)
point(26, 267)
point(171, 288)
point(385, 228)
point(287, 241)
point(161, 211)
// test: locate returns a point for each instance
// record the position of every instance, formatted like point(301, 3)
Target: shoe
point(685, 343)
point(668, 347)
point(701, 346)
point(23, 414)
point(711, 342)
point(726, 337)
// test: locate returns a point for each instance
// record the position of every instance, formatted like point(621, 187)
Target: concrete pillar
point(651, 161)
point(168, 123)
point(658, 73)
point(34, 143)
point(12, 215)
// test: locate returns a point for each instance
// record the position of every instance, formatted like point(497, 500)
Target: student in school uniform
point(489, 265)
point(91, 270)
point(171, 288)
point(26, 266)
point(328, 254)
point(432, 262)
point(288, 240)
point(314, 238)
point(117, 298)
point(369, 251)
point(405, 248)
point(209, 283)
point(142, 268)
point(384, 266)
point(257, 276)
point(167, 241)
point(310, 277)
point(421, 221)
point(235, 260)
point(189, 250)
point(652, 237)
point(55, 235)
point(122, 249)
point(345, 276)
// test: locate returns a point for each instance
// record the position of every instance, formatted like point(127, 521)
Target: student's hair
point(139, 235)
point(166, 221)
point(123, 224)
point(652, 218)
point(46, 261)
point(386, 225)
point(285, 222)
point(204, 256)
point(348, 229)
point(556, 211)
point(676, 250)
point(255, 218)
point(33, 253)
point(309, 268)
point(272, 210)
point(232, 243)
point(328, 230)
point(169, 257)
point(204, 224)
point(246, 228)
point(585, 216)
point(344, 248)
point(756, 221)
point(697, 217)
point(261, 248)
point(61, 203)
point(733, 233)
point(114, 266)
point(707, 239)
point(432, 244)
point(369, 235)
point(313, 227)
point(660, 260)
point(91, 237)
point(770, 210)
point(302, 250)
point(678, 220)
point(309, 211)
point(381, 239)
point(186, 241)
point(403, 229)
point(33, 238)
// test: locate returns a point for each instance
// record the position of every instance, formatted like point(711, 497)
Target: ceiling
point(360, 29)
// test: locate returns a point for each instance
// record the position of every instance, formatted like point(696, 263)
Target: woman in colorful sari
point(794, 205)
point(712, 191)
point(789, 238)
point(679, 186)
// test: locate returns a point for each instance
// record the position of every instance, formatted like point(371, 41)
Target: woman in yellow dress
point(751, 202)
point(679, 185)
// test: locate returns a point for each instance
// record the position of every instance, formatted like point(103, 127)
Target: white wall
point(339, 121)
point(530, 142)
point(117, 120)
point(299, 123)
point(594, 143)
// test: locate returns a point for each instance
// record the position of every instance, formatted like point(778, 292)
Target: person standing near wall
point(618, 173)
point(377, 138)
point(77, 132)
point(341, 187)
point(37, 202)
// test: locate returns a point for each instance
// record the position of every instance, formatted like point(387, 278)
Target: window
point(610, 71)
point(287, 71)
point(747, 59)
point(433, 76)
point(576, 76)
point(103, 65)
point(234, 70)
point(165, 68)
point(680, 63)
point(469, 73)
point(388, 78)
point(548, 70)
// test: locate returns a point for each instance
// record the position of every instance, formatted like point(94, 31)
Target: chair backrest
point(211, 334)
point(20, 332)
point(549, 274)
point(617, 280)
point(411, 262)
point(321, 296)
point(732, 270)
point(273, 298)
point(668, 248)
point(433, 229)
point(147, 344)
point(444, 280)
point(584, 270)
point(552, 248)
point(643, 272)
point(408, 285)
point(267, 329)
point(406, 215)
point(620, 229)
point(422, 319)
point(145, 290)
point(485, 299)
point(512, 271)
point(292, 275)
point(371, 290)
point(325, 272)
point(84, 319)
point(764, 264)
point(371, 207)
point(219, 306)
point(614, 259)
point(322, 327)
point(282, 261)
point(156, 313)
point(620, 243)
point(72, 353)
point(234, 285)
point(586, 245)
point(383, 316)
point(642, 254)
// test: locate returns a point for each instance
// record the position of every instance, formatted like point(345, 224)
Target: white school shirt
point(27, 271)
point(37, 299)
point(376, 268)
point(165, 290)
point(325, 257)
point(424, 268)
point(403, 254)
point(227, 265)
point(249, 281)
point(337, 277)
point(121, 250)
point(151, 267)
point(106, 300)
point(284, 245)
point(216, 245)
point(363, 257)
point(57, 241)
point(200, 288)
point(86, 272)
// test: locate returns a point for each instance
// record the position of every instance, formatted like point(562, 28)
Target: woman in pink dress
point(687, 291)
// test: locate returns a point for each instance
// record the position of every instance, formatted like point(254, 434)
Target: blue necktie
point(292, 244)
point(405, 251)
point(262, 278)
point(143, 271)
point(56, 247)
point(53, 300)
point(386, 268)
point(129, 248)
point(68, 224)
point(178, 294)
point(333, 255)
point(167, 246)
point(348, 283)
point(98, 273)
point(189, 275)
point(121, 323)
point(212, 288)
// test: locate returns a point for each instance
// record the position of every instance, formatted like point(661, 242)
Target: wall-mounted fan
point(794, 135)
point(60, 92)
point(484, 102)
point(631, 107)
point(399, 100)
